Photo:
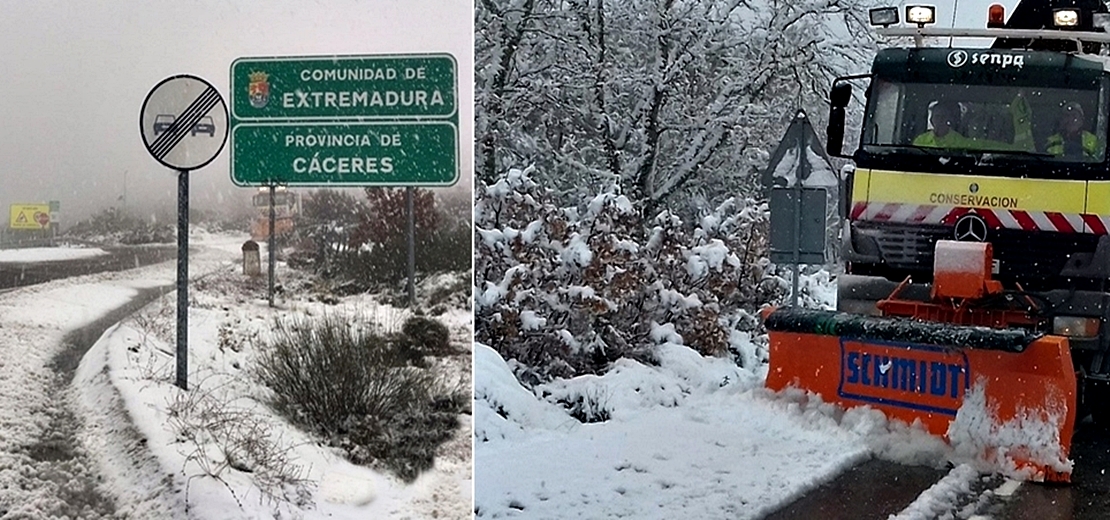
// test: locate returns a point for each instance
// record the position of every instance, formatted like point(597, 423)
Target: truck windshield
point(1028, 123)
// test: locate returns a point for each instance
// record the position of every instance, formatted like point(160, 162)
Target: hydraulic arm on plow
point(964, 366)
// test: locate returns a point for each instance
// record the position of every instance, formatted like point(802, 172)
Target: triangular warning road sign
point(22, 218)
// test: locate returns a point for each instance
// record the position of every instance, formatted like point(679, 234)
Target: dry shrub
point(364, 391)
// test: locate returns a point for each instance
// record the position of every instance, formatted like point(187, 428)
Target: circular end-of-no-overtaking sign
point(183, 122)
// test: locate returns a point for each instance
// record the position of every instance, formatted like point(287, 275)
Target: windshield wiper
point(932, 150)
point(1025, 153)
point(927, 150)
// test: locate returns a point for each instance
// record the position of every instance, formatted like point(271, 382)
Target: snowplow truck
point(976, 237)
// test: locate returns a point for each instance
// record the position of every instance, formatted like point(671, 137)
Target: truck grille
point(1024, 255)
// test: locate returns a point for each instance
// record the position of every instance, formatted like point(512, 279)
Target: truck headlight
point(883, 16)
point(1065, 17)
point(921, 15)
point(1075, 326)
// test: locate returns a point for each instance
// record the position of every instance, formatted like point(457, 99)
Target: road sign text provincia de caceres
point(327, 164)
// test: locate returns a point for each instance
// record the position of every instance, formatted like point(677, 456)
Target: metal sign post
point(183, 123)
point(798, 202)
point(270, 245)
point(410, 230)
point(183, 279)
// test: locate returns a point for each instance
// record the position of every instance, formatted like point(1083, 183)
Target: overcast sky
point(73, 76)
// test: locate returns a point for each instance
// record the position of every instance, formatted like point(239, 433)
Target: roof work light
point(1065, 17)
point(884, 16)
point(921, 15)
point(996, 16)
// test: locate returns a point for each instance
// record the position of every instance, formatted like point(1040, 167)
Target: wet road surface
point(118, 259)
point(53, 476)
point(1088, 495)
point(877, 489)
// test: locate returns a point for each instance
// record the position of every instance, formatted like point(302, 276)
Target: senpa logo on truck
point(958, 58)
point(918, 377)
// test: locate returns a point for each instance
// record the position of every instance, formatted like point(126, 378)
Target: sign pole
point(411, 232)
point(803, 173)
point(183, 124)
point(270, 247)
point(182, 279)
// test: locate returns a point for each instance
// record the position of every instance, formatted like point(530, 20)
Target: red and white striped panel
point(995, 218)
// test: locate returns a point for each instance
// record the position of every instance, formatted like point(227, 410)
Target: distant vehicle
point(287, 208)
point(205, 126)
point(162, 122)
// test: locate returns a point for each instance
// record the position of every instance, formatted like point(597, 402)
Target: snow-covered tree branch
point(673, 100)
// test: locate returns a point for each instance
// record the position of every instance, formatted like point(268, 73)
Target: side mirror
point(839, 96)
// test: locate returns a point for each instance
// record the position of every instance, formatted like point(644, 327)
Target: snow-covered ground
point(132, 427)
point(47, 254)
point(692, 437)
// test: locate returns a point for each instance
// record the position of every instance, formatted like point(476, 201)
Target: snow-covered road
point(89, 437)
point(44, 470)
point(696, 438)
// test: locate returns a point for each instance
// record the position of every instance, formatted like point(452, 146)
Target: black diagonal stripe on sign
point(184, 123)
point(181, 126)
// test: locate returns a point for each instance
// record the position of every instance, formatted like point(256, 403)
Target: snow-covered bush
point(363, 390)
point(565, 291)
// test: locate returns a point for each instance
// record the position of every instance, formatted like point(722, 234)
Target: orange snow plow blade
point(983, 379)
point(1023, 412)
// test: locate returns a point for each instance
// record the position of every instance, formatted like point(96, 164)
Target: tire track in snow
point(44, 470)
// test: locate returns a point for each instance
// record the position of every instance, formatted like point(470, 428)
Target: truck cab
point(1016, 173)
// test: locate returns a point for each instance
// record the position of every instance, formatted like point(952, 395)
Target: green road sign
point(344, 88)
point(419, 153)
point(386, 120)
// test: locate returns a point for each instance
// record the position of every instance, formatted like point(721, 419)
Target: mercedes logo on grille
point(971, 227)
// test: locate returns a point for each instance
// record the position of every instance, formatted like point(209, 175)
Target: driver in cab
point(945, 118)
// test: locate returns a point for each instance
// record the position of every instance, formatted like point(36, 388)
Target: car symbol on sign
point(162, 122)
point(205, 126)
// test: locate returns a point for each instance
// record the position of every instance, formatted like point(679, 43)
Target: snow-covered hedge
point(565, 291)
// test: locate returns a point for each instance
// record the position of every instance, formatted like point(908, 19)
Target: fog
point(75, 75)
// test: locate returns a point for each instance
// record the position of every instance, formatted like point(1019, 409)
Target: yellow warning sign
point(29, 216)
